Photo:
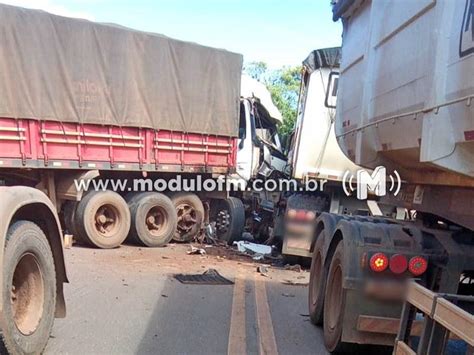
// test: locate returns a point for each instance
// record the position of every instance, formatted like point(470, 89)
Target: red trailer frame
point(50, 144)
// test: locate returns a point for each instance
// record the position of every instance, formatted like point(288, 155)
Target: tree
point(283, 85)
point(256, 70)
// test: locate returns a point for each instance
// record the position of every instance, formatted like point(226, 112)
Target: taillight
point(301, 214)
point(417, 265)
point(291, 213)
point(378, 262)
point(310, 215)
point(398, 264)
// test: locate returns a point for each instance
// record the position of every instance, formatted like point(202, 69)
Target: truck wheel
point(317, 282)
point(190, 212)
point(103, 219)
point(69, 216)
point(29, 289)
point(230, 219)
point(154, 219)
point(334, 302)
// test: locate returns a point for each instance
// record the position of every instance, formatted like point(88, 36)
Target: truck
point(404, 104)
point(260, 158)
point(94, 120)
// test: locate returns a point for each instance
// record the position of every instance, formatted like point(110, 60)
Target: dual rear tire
point(153, 219)
point(327, 296)
point(103, 219)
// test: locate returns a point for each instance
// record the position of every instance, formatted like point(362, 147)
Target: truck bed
point(49, 144)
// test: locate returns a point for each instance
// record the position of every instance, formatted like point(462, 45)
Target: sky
point(278, 32)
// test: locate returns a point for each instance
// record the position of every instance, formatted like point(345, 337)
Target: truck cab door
point(245, 143)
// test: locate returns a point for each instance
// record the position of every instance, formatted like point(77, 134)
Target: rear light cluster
point(301, 215)
point(398, 264)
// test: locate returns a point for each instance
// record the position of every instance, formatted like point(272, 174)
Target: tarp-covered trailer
point(77, 94)
point(79, 102)
point(404, 103)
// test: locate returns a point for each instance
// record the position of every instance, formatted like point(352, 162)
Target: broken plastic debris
point(194, 250)
point(252, 248)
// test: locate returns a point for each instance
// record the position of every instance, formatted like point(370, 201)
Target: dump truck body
point(406, 104)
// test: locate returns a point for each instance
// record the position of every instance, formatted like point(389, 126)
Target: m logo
point(375, 183)
point(466, 43)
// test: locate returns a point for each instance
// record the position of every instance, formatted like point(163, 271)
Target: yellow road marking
point(237, 334)
point(266, 336)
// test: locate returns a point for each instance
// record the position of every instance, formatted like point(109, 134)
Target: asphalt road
point(126, 301)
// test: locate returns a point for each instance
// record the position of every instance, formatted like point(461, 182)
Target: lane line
point(266, 335)
point(237, 333)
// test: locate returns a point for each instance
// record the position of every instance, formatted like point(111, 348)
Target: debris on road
point(196, 251)
point(209, 277)
point(295, 267)
point(257, 251)
point(288, 295)
point(68, 241)
point(247, 237)
point(263, 270)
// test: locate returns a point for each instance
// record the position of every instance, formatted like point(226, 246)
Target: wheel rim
point(187, 218)
point(223, 221)
point(155, 219)
point(107, 220)
point(335, 297)
point(27, 294)
point(315, 278)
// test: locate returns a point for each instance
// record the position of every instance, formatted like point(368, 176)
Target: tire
point(334, 302)
point(153, 219)
point(190, 214)
point(102, 219)
point(29, 289)
point(69, 214)
point(317, 285)
point(232, 213)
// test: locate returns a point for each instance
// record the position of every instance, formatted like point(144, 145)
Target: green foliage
point(256, 70)
point(284, 85)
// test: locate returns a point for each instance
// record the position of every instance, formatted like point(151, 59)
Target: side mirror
point(331, 90)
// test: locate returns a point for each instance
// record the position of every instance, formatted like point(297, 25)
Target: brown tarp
point(62, 69)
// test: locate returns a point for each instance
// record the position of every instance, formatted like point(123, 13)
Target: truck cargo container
point(404, 103)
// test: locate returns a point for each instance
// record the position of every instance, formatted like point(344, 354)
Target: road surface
point(126, 301)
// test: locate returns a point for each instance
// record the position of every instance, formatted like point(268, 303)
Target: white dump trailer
point(404, 104)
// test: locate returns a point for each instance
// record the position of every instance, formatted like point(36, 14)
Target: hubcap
point(107, 220)
point(27, 294)
point(223, 221)
point(187, 218)
point(155, 219)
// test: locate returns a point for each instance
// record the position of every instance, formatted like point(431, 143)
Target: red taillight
point(398, 264)
point(301, 214)
point(310, 215)
point(417, 265)
point(378, 262)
